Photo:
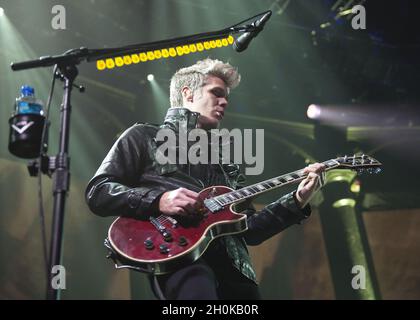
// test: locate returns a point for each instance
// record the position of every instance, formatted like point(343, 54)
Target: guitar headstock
point(360, 163)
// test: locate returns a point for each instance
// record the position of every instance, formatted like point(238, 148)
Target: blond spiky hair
point(194, 77)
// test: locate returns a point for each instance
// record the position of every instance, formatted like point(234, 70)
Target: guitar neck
point(267, 185)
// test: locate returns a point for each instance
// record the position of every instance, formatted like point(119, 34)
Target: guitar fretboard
point(267, 185)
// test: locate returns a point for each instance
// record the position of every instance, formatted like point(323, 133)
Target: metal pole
point(61, 182)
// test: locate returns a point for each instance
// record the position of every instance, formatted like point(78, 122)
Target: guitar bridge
point(212, 205)
point(167, 236)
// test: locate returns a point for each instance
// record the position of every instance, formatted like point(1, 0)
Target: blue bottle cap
point(27, 90)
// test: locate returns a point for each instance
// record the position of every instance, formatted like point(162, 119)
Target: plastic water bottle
point(27, 103)
point(26, 124)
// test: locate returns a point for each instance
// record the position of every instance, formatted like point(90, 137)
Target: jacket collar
point(176, 117)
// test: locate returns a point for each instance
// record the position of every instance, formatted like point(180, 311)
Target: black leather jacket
point(130, 181)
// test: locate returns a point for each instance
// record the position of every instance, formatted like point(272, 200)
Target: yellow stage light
point(127, 60)
point(100, 65)
point(135, 58)
point(347, 202)
point(110, 63)
point(355, 186)
point(172, 52)
point(150, 55)
point(186, 49)
point(119, 62)
point(165, 53)
point(157, 54)
point(143, 57)
point(193, 48)
point(179, 51)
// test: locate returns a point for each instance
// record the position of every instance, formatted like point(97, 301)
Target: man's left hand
point(311, 184)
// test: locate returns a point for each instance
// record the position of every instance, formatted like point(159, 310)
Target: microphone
point(242, 42)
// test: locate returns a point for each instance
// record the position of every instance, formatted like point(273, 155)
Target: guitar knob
point(148, 243)
point(182, 241)
point(167, 236)
point(163, 248)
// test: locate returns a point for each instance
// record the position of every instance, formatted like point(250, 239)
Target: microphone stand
point(61, 182)
point(60, 164)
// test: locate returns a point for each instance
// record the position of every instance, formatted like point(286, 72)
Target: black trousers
point(212, 277)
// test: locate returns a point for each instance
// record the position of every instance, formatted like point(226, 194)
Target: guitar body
point(182, 241)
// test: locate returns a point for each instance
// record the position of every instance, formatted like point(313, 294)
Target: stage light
point(150, 77)
point(313, 111)
point(346, 202)
point(1, 11)
point(110, 64)
point(171, 52)
point(100, 65)
point(150, 55)
point(157, 54)
point(165, 53)
point(127, 60)
point(135, 58)
point(325, 25)
point(179, 51)
point(355, 186)
point(143, 57)
point(119, 61)
point(193, 48)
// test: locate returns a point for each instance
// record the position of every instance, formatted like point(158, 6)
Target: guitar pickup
point(212, 205)
point(167, 236)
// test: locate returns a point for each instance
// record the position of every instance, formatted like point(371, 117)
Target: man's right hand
point(180, 201)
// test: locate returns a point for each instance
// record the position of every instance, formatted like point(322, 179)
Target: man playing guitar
point(132, 184)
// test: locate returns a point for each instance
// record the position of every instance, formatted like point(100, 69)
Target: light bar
point(172, 52)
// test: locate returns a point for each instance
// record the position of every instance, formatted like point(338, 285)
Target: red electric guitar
point(165, 243)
